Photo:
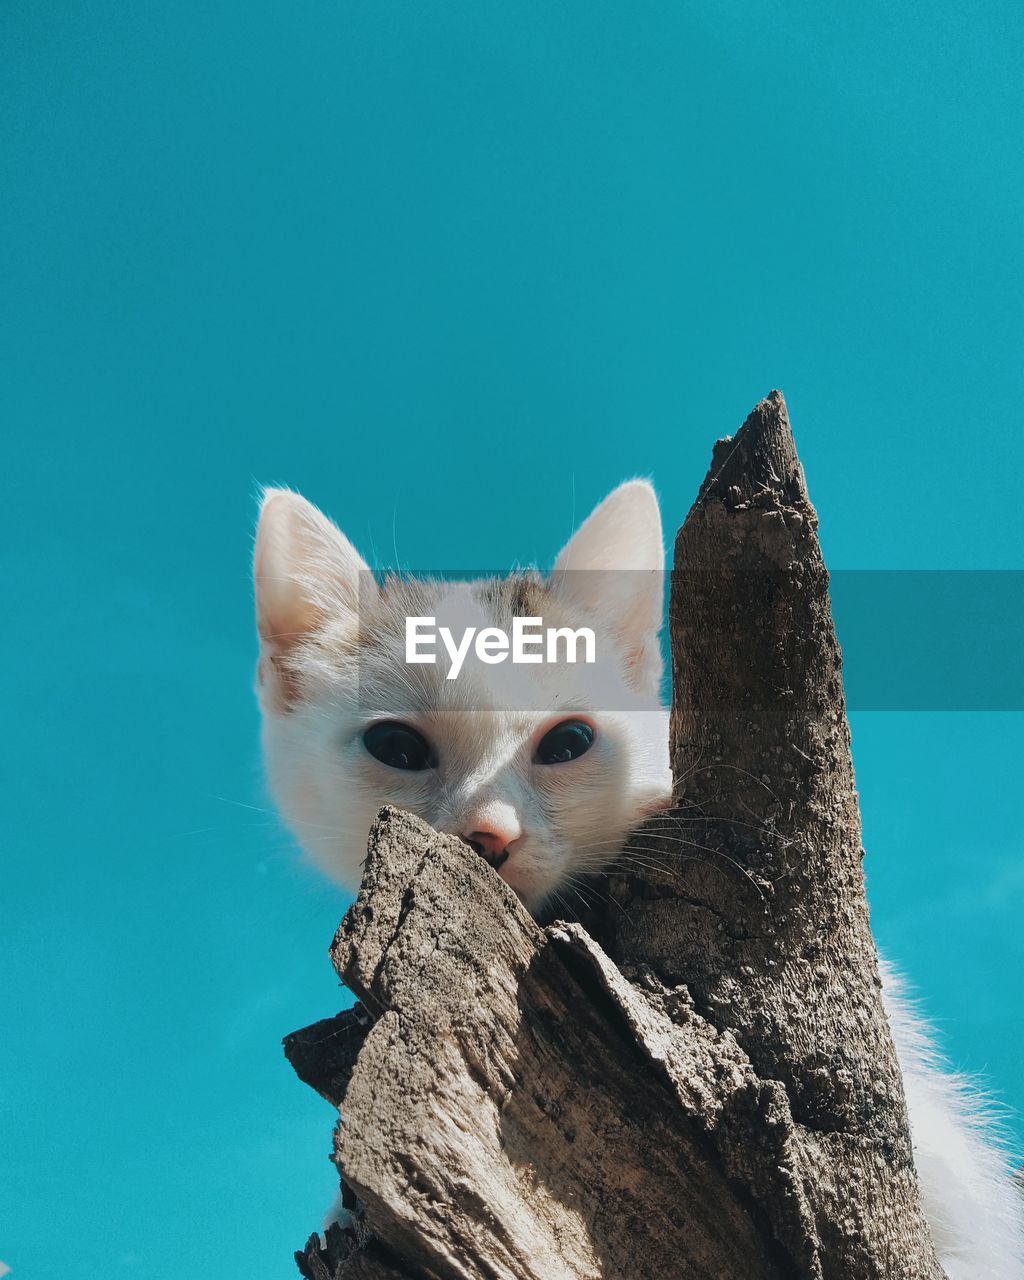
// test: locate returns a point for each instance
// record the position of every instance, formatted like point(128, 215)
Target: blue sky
point(452, 271)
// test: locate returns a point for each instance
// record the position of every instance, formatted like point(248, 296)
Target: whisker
point(256, 808)
point(662, 831)
point(588, 885)
point(715, 854)
point(721, 764)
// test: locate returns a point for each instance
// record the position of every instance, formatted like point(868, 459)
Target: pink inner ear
point(643, 667)
point(283, 623)
point(283, 620)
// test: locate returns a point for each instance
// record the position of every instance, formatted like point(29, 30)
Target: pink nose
point(492, 846)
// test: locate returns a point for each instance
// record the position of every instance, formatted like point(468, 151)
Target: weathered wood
point(713, 1093)
point(324, 1055)
point(343, 1252)
point(519, 1109)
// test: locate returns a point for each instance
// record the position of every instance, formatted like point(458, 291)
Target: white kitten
point(471, 751)
point(543, 770)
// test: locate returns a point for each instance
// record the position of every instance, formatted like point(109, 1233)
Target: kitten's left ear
point(614, 566)
point(306, 574)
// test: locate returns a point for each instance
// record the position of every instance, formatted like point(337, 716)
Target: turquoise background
point(453, 271)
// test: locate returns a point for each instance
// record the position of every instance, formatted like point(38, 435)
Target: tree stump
point(701, 1083)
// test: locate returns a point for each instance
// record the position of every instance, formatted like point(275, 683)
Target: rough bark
point(706, 1087)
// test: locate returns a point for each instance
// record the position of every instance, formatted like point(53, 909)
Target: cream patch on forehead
point(521, 595)
point(390, 685)
point(456, 605)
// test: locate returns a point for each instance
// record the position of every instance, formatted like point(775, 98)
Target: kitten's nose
point(492, 840)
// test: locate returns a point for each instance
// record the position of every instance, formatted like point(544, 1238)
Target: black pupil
point(397, 745)
point(565, 742)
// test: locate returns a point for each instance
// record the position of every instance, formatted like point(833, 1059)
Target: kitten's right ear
point(614, 565)
point(305, 573)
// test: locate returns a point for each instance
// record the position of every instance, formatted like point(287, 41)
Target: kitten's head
point(543, 768)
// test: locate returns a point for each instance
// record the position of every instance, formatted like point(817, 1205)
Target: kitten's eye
point(566, 741)
point(398, 745)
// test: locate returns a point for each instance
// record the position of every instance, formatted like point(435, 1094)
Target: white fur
point(974, 1209)
point(332, 661)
